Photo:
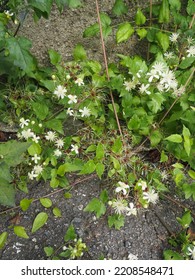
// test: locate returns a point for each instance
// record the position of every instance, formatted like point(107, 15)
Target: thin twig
point(192, 22)
point(53, 193)
point(106, 66)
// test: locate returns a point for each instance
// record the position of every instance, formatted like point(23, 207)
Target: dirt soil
point(145, 235)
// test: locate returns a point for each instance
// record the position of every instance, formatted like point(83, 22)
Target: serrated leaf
point(163, 157)
point(187, 142)
point(124, 32)
point(56, 125)
point(171, 255)
point(191, 173)
point(70, 234)
point(117, 147)
point(142, 33)
point(97, 206)
point(104, 196)
point(164, 13)
point(39, 221)
point(19, 53)
point(187, 62)
point(21, 232)
point(91, 31)
point(3, 239)
point(117, 221)
point(35, 148)
point(7, 194)
point(25, 203)
point(41, 110)
point(68, 167)
point(185, 220)
point(42, 5)
point(176, 138)
point(140, 19)
point(88, 168)
point(48, 251)
point(74, 3)
point(79, 53)
point(175, 4)
point(46, 202)
point(55, 57)
point(163, 40)
point(100, 168)
point(100, 151)
point(155, 138)
point(119, 8)
point(57, 212)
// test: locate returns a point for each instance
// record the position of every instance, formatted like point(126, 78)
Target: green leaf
point(55, 124)
point(3, 239)
point(68, 167)
point(100, 168)
point(191, 173)
point(19, 53)
point(104, 196)
point(12, 152)
point(25, 203)
point(186, 220)
point(155, 138)
point(163, 40)
point(54, 183)
point(164, 13)
point(187, 141)
point(116, 220)
point(21, 232)
point(7, 194)
point(70, 234)
point(119, 8)
point(42, 5)
point(74, 3)
point(46, 202)
point(39, 221)
point(117, 147)
point(41, 110)
point(97, 206)
point(163, 157)
point(176, 138)
point(171, 255)
point(48, 251)
point(140, 19)
point(55, 57)
point(5, 172)
point(57, 212)
point(191, 7)
point(124, 32)
point(100, 151)
point(35, 148)
point(187, 62)
point(91, 31)
point(88, 168)
point(189, 190)
point(175, 4)
point(142, 33)
point(79, 53)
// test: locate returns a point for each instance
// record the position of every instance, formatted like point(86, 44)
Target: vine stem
point(53, 193)
point(106, 66)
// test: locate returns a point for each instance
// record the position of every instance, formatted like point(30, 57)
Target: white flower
point(36, 158)
point(59, 143)
point(79, 82)
point(27, 134)
point(142, 184)
point(131, 210)
point(169, 55)
point(143, 88)
point(168, 80)
point(8, 13)
point(190, 40)
point(132, 257)
point(191, 252)
point(32, 175)
point(50, 136)
point(60, 92)
point(37, 169)
point(122, 187)
point(152, 74)
point(72, 99)
point(24, 122)
point(173, 37)
point(70, 112)
point(68, 77)
point(129, 85)
point(151, 196)
point(35, 138)
point(139, 73)
point(57, 153)
point(159, 67)
point(191, 51)
point(85, 112)
point(75, 148)
point(120, 206)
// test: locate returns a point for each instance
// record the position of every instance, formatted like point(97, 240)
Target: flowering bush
point(153, 108)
